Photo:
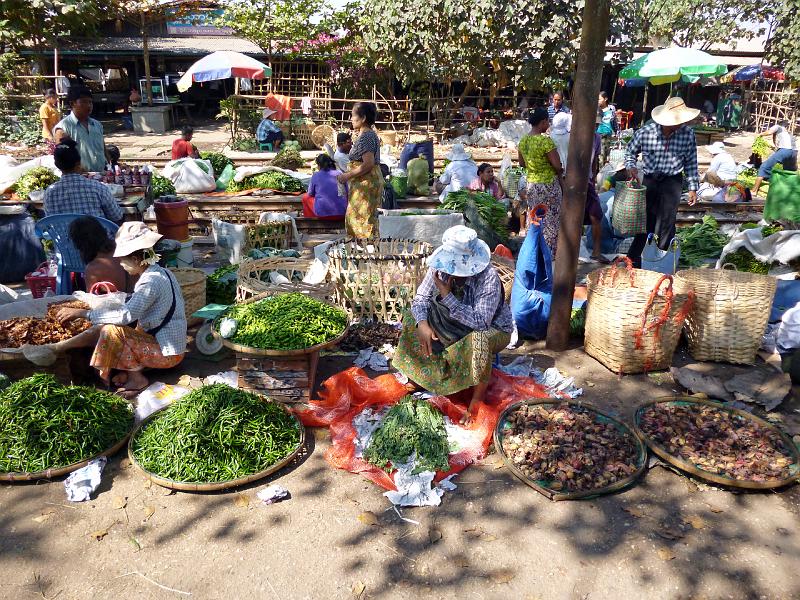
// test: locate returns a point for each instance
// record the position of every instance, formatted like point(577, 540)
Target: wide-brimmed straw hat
point(457, 152)
point(461, 254)
point(267, 113)
point(674, 112)
point(716, 148)
point(133, 236)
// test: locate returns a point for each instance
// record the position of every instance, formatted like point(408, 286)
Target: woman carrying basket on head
point(159, 339)
point(364, 178)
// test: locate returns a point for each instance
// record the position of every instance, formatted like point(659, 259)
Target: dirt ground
point(337, 537)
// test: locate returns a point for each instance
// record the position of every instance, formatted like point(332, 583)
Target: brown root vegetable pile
point(364, 335)
point(567, 448)
point(36, 332)
point(718, 441)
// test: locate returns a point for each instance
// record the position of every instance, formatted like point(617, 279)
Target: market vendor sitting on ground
point(87, 132)
point(325, 199)
point(459, 320)
point(716, 184)
point(458, 173)
point(344, 143)
point(156, 306)
point(487, 182)
point(97, 251)
point(49, 115)
point(183, 147)
point(669, 151)
point(74, 193)
point(268, 132)
point(785, 153)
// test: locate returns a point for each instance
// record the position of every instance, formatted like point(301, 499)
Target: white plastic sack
point(782, 247)
point(229, 239)
point(505, 164)
point(112, 301)
point(513, 131)
point(188, 178)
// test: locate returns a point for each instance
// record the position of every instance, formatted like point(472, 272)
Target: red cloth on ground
point(308, 210)
point(346, 394)
point(182, 149)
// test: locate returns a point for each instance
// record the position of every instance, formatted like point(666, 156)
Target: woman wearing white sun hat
point(156, 305)
point(721, 173)
point(459, 319)
point(669, 152)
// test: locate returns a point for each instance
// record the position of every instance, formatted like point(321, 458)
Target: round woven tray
point(555, 495)
point(322, 134)
point(51, 473)
point(186, 486)
point(688, 467)
point(299, 352)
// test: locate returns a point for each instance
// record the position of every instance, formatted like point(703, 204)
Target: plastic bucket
point(185, 257)
point(172, 219)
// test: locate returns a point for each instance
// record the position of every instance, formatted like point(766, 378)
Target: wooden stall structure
point(776, 101)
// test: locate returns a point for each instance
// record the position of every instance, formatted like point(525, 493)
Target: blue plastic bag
point(533, 285)
point(662, 261)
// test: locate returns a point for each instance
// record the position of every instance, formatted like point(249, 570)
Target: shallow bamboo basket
point(186, 486)
point(730, 313)
point(193, 288)
point(634, 318)
point(376, 279)
point(253, 278)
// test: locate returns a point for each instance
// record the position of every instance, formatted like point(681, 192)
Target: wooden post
point(146, 54)
point(584, 104)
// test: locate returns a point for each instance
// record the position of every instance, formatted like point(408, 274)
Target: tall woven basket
point(193, 289)
point(376, 279)
point(634, 318)
point(254, 279)
point(730, 313)
point(271, 234)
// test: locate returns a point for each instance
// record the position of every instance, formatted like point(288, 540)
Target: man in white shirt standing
point(785, 153)
point(458, 173)
point(721, 172)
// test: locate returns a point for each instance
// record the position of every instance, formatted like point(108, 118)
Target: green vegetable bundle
point(286, 322)
point(221, 285)
point(47, 425)
point(216, 433)
point(161, 186)
point(747, 177)
point(288, 158)
point(744, 261)
point(700, 241)
point(761, 147)
point(494, 213)
point(271, 180)
point(38, 178)
point(412, 426)
point(218, 161)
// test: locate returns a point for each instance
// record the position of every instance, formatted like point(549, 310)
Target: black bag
point(446, 328)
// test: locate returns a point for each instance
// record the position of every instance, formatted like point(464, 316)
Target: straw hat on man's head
point(133, 236)
point(674, 112)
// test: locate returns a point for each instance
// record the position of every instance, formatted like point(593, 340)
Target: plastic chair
point(56, 228)
point(262, 146)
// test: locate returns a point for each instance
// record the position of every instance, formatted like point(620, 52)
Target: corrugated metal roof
point(191, 45)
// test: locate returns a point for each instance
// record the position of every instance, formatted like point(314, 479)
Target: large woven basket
point(253, 278)
point(634, 318)
point(376, 279)
point(730, 313)
point(193, 289)
point(323, 134)
point(505, 268)
point(303, 134)
point(272, 234)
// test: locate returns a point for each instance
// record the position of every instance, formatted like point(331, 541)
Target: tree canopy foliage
point(36, 23)
point(784, 45)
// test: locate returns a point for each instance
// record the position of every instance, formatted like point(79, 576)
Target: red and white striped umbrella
point(223, 64)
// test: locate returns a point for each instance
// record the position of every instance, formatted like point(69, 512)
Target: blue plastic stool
point(56, 228)
point(262, 146)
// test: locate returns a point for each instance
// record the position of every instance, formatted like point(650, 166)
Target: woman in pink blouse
point(486, 182)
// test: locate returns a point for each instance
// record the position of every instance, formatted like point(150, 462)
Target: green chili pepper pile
point(46, 425)
point(286, 322)
point(221, 285)
point(744, 261)
point(216, 433)
point(271, 180)
point(700, 241)
point(490, 210)
point(411, 426)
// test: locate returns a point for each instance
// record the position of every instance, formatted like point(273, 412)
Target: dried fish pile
point(373, 333)
point(566, 448)
point(718, 441)
point(36, 332)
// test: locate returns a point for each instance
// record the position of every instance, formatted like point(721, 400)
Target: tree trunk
point(584, 102)
point(146, 54)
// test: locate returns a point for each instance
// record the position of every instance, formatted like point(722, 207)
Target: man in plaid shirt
point(669, 152)
point(76, 194)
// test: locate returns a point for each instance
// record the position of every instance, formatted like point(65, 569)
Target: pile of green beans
point(47, 425)
point(216, 433)
point(286, 322)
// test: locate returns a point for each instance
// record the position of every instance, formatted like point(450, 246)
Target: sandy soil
point(337, 537)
